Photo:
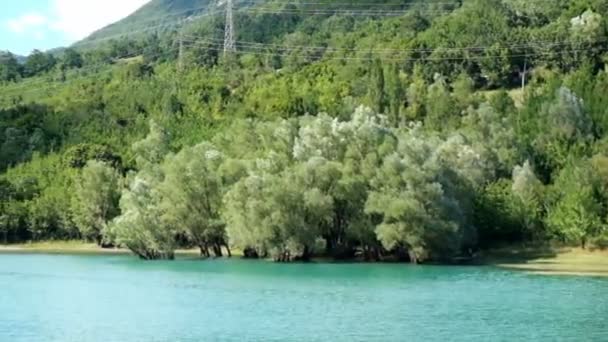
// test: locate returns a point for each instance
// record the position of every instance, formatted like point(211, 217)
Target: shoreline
point(550, 261)
point(558, 261)
point(74, 248)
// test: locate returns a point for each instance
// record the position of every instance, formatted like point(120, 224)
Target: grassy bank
point(537, 260)
point(550, 260)
point(74, 247)
point(59, 247)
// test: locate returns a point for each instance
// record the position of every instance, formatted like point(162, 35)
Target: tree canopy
point(420, 135)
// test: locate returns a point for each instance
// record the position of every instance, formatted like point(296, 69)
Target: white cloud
point(73, 19)
point(39, 35)
point(27, 22)
point(79, 18)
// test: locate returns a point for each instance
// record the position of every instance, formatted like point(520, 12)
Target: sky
point(26, 25)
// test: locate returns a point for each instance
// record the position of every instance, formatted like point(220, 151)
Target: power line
point(211, 44)
point(174, 23)
point(262, 48)
point(264, 10)
point(278, 50)
point(284, 50)
point(343, 4)
point(218, 47)
point(230, 23)
point(346, 12)
point(530, 44)
point(403, 59)
point(415, 6)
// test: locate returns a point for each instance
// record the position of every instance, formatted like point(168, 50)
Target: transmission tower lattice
point(229, 45)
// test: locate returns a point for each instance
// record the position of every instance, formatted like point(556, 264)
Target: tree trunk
point(329, 245)
point(306, 254)
point(217, 250)
point(169, 256)
point(583, 242)
point(371, 254)
point(413, 257)
point(142, 254)
point(228, 250)
point(250, 253)
point(377, 253)
point(283, 257)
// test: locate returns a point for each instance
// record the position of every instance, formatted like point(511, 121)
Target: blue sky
point(44, 24)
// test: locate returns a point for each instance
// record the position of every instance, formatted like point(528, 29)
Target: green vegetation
point(77, 247)
point(154, 13)
point(362, 134)
point(551, 261)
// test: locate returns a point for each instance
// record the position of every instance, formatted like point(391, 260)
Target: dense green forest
point(416, 130)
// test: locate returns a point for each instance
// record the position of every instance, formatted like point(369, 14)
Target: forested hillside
point(421, 130)
point(155, 15)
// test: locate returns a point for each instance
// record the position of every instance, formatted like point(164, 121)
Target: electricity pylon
point(229, 45)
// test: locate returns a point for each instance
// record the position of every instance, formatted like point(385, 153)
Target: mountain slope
point(154, 13)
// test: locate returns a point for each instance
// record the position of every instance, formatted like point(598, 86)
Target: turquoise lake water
point(119, 298)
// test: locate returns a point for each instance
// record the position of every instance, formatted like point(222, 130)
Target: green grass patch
point(81, 247)
point(551, 261)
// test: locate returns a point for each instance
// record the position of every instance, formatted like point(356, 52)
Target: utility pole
point(229, 45)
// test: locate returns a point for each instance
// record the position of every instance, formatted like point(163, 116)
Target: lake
point(120, 298)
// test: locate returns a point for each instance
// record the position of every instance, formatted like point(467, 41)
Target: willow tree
point(275, 215)
point(423, 193)
point(247, 214)
point(527, 191)
point(192, 193)
point(564, 127)
point(95, 200)
point(345, 155)
point(575, 213)
point(6, 196)
point(440, 106)
point(486, 127)
point(319, 181)
point(140, 226)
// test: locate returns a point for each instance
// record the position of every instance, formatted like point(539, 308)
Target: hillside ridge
point(155, 12)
